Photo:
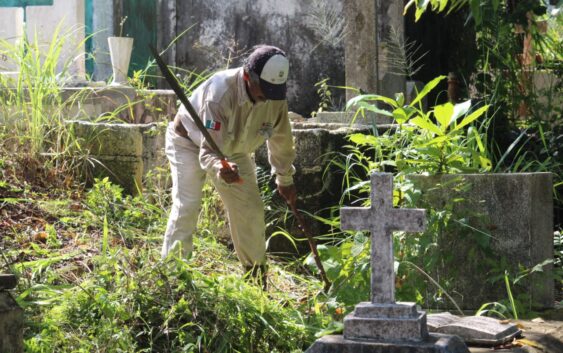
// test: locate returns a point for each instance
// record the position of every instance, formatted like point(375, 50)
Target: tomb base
point(386, 322)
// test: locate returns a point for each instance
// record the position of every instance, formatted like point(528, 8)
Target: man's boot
point(257, 274)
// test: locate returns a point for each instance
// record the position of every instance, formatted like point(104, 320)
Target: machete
point(182, 97)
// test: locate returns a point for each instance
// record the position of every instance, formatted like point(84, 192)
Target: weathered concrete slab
point(474, 329)
point(348, 117)
point(125, 152)
point(435, 343)
point(11, 325)
point(121, 102)
point(8, 281)
point(514, 212)
point(386, 329)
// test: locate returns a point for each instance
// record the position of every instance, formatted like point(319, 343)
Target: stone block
point(381, 310)
point(514, 214)
point(7, 281)
point(347, 118)
point(124, 171)
point(126, 152)
point(153, 154)
point(479, 330)
point(435, 343)
point(120, 102)
point(385, 329)
point(107, 139)
point(11, 324)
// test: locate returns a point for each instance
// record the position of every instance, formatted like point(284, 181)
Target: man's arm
point(215, 120)
point(281, 155)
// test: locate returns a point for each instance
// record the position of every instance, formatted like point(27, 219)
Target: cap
point(271, 66)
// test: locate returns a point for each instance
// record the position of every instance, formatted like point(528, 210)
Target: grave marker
point(381, 219)
point(383, 325)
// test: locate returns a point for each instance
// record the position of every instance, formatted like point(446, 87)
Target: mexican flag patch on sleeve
point(213, 125)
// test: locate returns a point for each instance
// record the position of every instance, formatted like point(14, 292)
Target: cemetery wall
point(42, 24)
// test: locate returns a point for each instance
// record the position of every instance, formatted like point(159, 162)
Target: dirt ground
point(538, 336)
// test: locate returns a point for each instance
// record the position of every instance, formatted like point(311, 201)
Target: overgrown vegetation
point(88, 260)
point(91, 277)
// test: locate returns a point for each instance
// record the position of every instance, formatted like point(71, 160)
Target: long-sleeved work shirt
point(238, 126)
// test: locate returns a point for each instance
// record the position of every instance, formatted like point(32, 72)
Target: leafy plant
point(437, 141)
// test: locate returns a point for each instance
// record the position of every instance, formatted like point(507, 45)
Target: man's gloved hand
point(229, 175)
point(289, 193)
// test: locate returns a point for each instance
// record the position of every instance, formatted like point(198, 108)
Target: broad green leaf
point(443, 5)
point(400, 115)
point(477, 139)
point(432, 151)
point(495, 5)
point(374, 108)
point(408, 5)
point(436, 141)
point(400, 99)
point(443, 114)
point(426, 124)
point(476, 11)
point(471, 117)
point(427, 88)
point(409, 111)
point(461, 109)
point(486, 163)
point(363, 139)
point(423, 4)
point(371, 97)
point(418, 14)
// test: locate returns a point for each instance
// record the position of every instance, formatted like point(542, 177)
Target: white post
point(11, 31)
point(42, 22)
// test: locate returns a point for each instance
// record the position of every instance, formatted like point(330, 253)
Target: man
point(241, 108)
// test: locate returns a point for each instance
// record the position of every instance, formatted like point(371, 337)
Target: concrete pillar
point(43, 20)
point(360, 50)
point(102, 27)
point(390, 23)
point(11, 30)
point(11, 318)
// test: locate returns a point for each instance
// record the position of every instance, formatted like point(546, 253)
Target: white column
point(11, 30)
point(43, 21)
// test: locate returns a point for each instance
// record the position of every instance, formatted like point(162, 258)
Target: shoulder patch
point(213, 125)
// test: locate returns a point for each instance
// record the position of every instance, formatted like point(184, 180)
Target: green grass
point(91, 280)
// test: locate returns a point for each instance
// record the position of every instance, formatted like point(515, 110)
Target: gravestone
point(384, 325)
point(479, 330)
point(11, 317)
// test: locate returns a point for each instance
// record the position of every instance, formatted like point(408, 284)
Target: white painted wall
point(10, 30)
point(42, 22)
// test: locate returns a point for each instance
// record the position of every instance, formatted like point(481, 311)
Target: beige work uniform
point(238, 127)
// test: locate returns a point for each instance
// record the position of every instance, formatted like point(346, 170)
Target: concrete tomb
point(11, 317)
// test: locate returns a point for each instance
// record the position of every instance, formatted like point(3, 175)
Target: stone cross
point(381, 219)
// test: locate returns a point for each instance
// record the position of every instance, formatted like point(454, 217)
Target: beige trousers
point(244, 206)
